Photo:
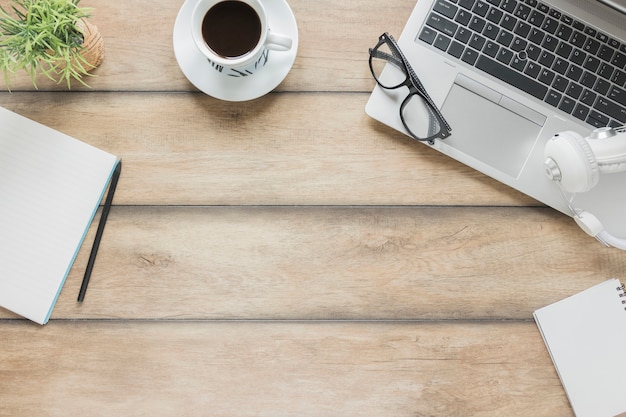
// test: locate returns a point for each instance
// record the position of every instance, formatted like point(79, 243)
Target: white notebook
point(586, 337)
point(50, 188)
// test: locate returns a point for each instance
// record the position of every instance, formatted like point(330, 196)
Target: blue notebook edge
point(81, 242)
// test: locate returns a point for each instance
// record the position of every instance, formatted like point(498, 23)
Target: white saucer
point(201, 74)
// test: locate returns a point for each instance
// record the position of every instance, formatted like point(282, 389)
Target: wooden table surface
point(288, 256)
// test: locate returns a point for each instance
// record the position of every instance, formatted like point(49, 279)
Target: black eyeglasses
point(419, 114)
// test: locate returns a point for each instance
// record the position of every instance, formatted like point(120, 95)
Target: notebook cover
point(586, 337)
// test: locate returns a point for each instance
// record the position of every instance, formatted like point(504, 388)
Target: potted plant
point(49, 37)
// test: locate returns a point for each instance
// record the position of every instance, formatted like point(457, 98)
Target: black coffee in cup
point(231, 28)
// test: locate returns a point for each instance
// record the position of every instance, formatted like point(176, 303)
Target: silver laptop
point(508, 75)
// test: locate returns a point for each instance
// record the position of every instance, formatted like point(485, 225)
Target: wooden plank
point(190, 149)
point(335, 263)
point(278, 369)
point(332, 56)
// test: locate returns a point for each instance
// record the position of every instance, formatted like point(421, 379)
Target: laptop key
point(519, 44)
point(480, 8)
point(606, 71)
point(428, 35)
point(532, 70)
point(578, 26)
point(508, 22)
point(534, 52)
point(445, 8)
point(591, 63)
point(477, 24)
point(550, 43)
point(614, 43)
point(466, 4)
point(560, 83)
point(606, 53)
point(555, 14)
point(578, 39)
point(619, 78)
point(553, 98)
point(574, 90)
point(564, 50)
point(508, 5)
point(588, 98)
point(456, 49)
point(536, 18)
point(505, 38)
point(550, 25)
point(564, 32)
point(546, 76)
point(611, 109)
point(442, 42)
point(574, 73)
point(595, 123)
point(470, 56)
point(580, 112)
point(491, 49)
point(560, 65)
point(597, 119)
point(546, 59)
point(522, 29)
point(522, 11)
point(618, 94)
point(518, 63)
point(463, 17)
point(591, 46)
point(495, 15)
point(578, 57)
point(567, 105)
point(619, 60)
point(442, 24)
point(505, 56)
point(512, 77)
point(544, 8)
point(463, 35)
point(536, 36)
point(491, 31)
point(477, 42)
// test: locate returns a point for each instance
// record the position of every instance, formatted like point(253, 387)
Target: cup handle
point(278, 42)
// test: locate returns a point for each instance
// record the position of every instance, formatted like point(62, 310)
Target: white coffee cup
point(234, 35)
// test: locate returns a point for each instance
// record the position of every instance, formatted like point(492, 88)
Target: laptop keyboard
point(540, 50)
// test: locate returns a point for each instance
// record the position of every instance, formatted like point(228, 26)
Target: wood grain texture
point(277, 369)
point(334, 263)
point(283, 149)
point(139, 51)
point(288, 256)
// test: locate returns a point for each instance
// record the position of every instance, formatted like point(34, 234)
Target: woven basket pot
point(93, 44)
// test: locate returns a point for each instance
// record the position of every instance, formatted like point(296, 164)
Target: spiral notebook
point(586, 337)
point(50, 188)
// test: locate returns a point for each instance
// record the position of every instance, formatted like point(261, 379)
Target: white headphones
point(575, 163)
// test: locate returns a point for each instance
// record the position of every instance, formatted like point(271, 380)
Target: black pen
point(103, 219)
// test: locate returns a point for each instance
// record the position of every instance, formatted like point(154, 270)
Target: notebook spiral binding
point(622, 293)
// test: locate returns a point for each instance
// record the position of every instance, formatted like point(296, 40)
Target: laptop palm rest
point(490, 127)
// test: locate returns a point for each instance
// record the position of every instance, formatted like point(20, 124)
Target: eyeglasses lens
point(388, 76)
point(418, 117)
point(390, 72)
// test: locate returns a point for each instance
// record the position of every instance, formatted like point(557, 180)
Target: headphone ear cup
point(576, 162)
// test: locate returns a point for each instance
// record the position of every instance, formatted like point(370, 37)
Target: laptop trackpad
point(487, 131)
